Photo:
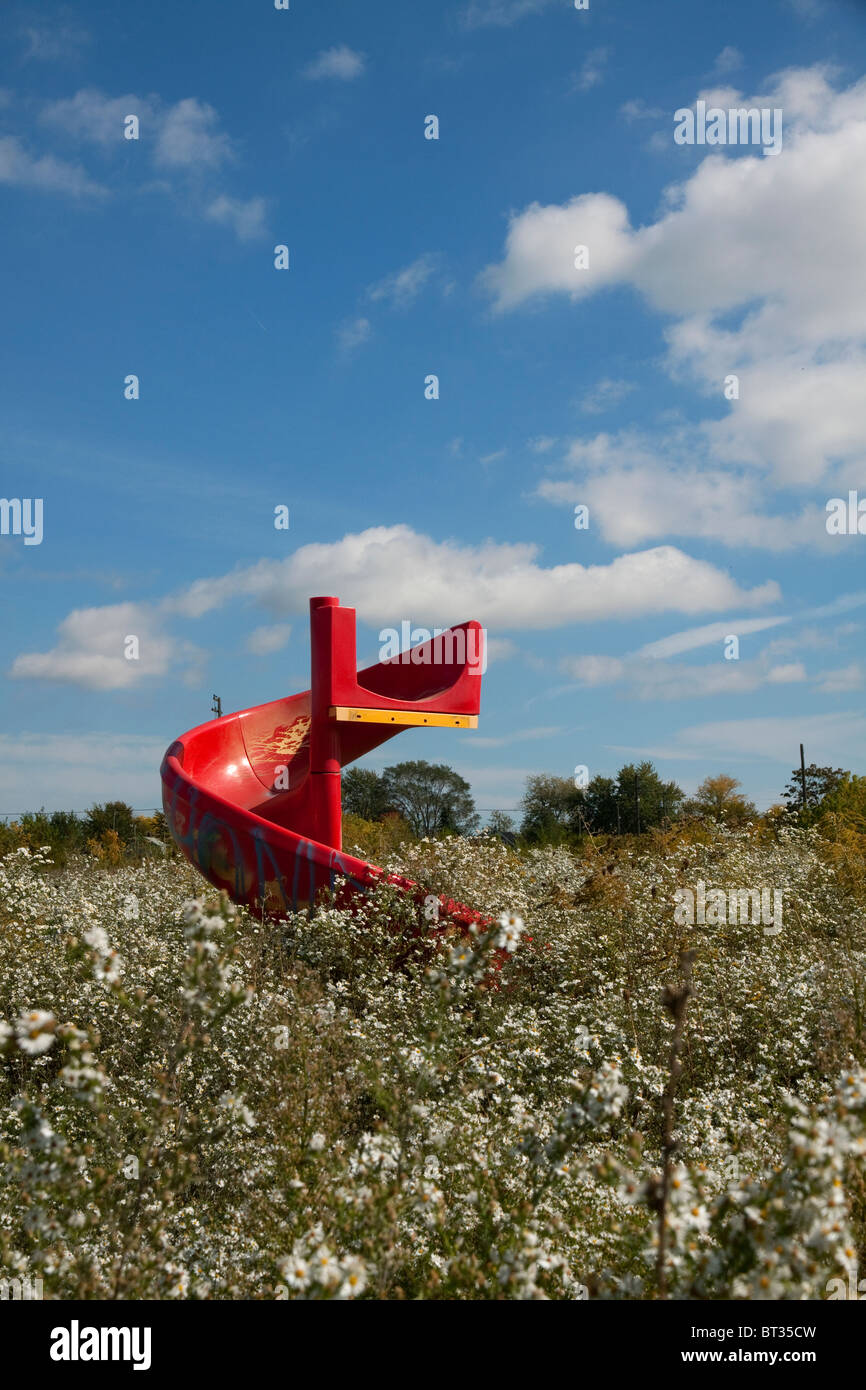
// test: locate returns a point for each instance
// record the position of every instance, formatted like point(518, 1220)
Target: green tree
point(603, 806)
point(61, 831)
point(364, 794)
point(430, 797)
point(717, 799)
point(848, 800)
point(550, 807)
point(646, 800)
point(500, 823)
point(820, 782)
point(114, 815)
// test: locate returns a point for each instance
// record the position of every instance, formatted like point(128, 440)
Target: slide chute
point(253, 798)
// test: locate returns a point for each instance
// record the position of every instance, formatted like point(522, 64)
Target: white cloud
point(540, 250)
point(649, 674)
point(776, 242)
point(807, 10)
point(640, 489)
point(352, 334)
point(341, 62)
point(483, 14)
point(649, 679)
point(189, 137)
point(591, 72)
point(706, 636)
point(393, 569)
point(518, 736)
point(389, 572)
point(605, 395)
point(91, 646)
point(50, 41)
point(595, 670)
point(262, 641)
point(728, 60)
point(183, 141)
point(44, 173)
point(830, 739)
point(402, 287)
point(500, 649)
point(638, 110)
point(842, 680)
point(71, 771)
point(93, 116)
point(185, 135)
point(245, 216)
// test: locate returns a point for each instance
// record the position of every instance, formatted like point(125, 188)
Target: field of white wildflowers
point(198, 1105)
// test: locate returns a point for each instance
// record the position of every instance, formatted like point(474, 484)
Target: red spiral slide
point(253, 798)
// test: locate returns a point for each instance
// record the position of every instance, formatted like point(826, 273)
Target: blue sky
point(601, 385)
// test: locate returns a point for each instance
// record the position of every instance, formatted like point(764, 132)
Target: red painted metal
point(253, 798)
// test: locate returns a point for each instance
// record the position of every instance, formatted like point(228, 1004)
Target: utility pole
point(637, 803)
point(803, 775)
point(616, 799)
point(217, 707)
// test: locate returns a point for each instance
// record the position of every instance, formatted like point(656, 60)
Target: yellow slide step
point(350, 714)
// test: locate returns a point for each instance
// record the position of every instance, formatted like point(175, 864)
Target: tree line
point(433, 798)
point(421, 798)
point(108, 831)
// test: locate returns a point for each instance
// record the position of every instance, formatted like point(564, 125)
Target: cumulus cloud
point(639, 110)
point(51, 41)
point(393, 571)
point(592, 70)
point(91, 645)
point(185, 135)
point(402, 287)
point(654, 679)
point(184, 142)
point(605, 395)
point(263, 641)
point(540, 250)
point(92, 116)
point(189, 137)
point(44, 173)
point(484, 14)
point(352, 334)
point(245, 216)
point(728, 60)
point(641, 488)
point(340, 62)
point(757, 263)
